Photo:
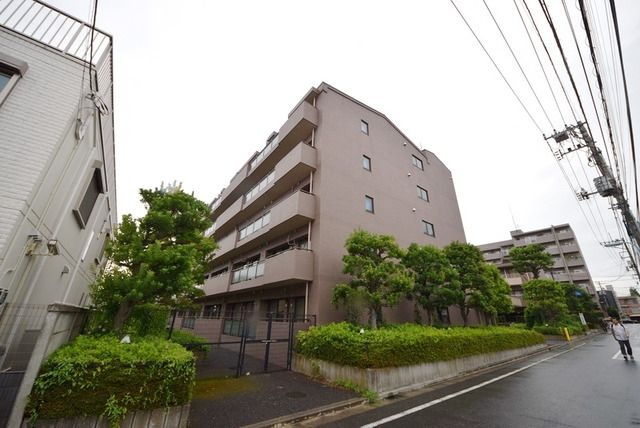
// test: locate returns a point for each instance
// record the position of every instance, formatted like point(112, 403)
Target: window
point(212, 311)
point(255, 190)
point(10, 71)
point(366, 163)
point(94, 189)
point(423, 194)
point(364, 127)
point(235, 316)
point(285, 309)
point(368, 204)
point(417, 162)
point(428, 228)
point(189, 320)
point(256, 225)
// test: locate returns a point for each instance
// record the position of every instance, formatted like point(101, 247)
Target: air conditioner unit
point(604, 186)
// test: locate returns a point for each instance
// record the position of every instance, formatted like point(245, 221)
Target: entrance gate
point(251, 345)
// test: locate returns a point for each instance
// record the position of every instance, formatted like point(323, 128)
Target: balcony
point(517, 301)
point(294, 167)
point(297, 128)
point(217, 284)
point(514, 280)
point(289, 267)
point(295, 211)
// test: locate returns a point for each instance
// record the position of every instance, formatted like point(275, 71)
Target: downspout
point(306, 299)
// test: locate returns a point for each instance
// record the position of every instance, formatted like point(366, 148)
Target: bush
point(344, 344)
point(101, 376)
point(190, 341)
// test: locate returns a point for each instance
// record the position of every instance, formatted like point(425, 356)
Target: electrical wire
point(626, 95)
point(518, 63)
point(535, 51)
point(496, 66)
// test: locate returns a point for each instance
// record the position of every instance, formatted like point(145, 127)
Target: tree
point(431, 270)
point(159, 258)
point(467, 291)
point(613, 313)
point(530, 258)
point(378, 277)
point(546, 302)
point(634, 292)
point(496, 297)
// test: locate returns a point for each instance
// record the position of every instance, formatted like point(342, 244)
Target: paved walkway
point(221, 400)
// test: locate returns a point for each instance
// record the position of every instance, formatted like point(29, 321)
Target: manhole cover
point(295, 394)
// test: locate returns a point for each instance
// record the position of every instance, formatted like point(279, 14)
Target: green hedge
point(406, 344)
point(190, 341)
point(101, 376)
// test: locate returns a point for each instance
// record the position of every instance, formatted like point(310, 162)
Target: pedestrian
point(621, 334)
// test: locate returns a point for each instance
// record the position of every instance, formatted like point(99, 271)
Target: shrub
point(190, 341)
point(344, 344)
point(101, 376)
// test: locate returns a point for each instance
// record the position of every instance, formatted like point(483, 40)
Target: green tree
point(546, 302)
point(530, 258)
point(613, 313)
point(469, 290)
point(159, 258)
point(496, 296)
point(431, 270)
point(377, 276)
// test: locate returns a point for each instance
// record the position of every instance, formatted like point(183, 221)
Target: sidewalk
point(264, 400)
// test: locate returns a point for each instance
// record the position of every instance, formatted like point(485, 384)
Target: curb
point(306, 414)
point(318, 411)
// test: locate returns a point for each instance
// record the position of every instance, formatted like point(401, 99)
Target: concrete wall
point(173, 417)
point(392, 380)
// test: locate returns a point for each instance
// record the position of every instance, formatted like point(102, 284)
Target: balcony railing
point(51, 26)
point(247, 272)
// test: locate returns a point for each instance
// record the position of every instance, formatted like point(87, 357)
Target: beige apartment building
point(334, 166)
point(559, 241)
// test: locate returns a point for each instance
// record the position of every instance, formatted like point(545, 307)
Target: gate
point(246, 346)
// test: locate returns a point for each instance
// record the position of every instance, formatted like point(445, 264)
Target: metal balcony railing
point(46, 24)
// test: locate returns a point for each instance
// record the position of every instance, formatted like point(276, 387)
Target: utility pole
point(606, 184)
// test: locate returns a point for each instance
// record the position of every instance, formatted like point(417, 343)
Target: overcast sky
point(200, 85)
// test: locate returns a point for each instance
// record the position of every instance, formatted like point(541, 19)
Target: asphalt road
point(585, 385)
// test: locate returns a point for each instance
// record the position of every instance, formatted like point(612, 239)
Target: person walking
point(621, 334)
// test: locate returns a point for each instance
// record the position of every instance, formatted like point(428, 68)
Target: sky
point(200, 86)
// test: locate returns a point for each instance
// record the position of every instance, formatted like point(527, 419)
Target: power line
point(518, 62)
point(497, 68)
point(553, 65)
point(535, 51)
point(614, 16)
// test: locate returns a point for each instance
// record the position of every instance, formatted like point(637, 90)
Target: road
point(587, 384)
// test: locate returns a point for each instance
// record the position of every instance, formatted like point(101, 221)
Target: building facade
point(630, 307)
point(560, 241)
point(57, 178)
point(335, 166)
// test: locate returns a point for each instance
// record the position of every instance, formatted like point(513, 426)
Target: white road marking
point(616, 355)
point(461, 392)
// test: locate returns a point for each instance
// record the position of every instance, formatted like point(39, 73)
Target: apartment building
point(57, 181)
point(559, 241)
point(334, 166)
point(630, 307)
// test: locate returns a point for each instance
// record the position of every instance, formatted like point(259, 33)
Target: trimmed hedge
point(407, 344)
point(101, 376)
point(190, 341)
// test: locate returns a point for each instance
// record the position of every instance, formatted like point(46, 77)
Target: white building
point(57, 180)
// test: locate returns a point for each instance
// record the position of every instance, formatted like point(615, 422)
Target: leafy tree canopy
point(432, 271)
point(530, 258)
point(546, 302)
point(377, 276)
point(159, 258)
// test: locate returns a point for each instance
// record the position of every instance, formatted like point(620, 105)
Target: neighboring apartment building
point(334, 166)
point(57, 180)
point(559, 241)
point(630, 307)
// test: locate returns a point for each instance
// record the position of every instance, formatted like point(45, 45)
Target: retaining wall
point(172, 417)
point(387, 381)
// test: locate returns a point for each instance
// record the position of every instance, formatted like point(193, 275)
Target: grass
point(218, 387)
